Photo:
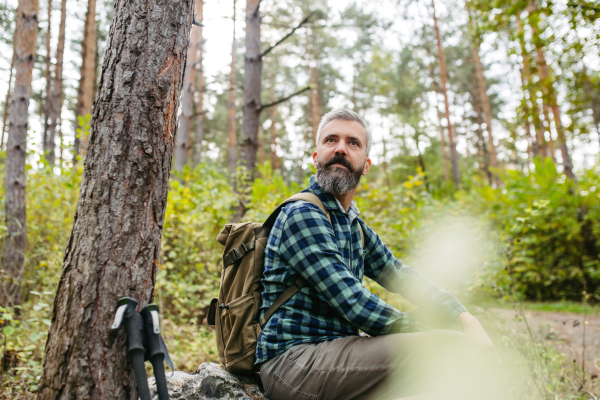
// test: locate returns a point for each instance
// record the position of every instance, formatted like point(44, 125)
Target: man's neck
point(345, 199)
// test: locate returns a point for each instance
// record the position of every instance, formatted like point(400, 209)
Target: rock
point(210, 381)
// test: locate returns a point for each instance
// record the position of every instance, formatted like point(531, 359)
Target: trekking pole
point(155, 353)
point(134, 325)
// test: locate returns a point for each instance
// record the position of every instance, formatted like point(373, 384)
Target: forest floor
point(551, 345)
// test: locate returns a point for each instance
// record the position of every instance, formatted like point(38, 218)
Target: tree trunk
point(231, 104)
point(85, 93)
point(444, 77)
point(485, 165)
point(119, 218)
point(315, 104)
point(47, 74)
point(13, 258)
point(196, 146)
point(550, 93)
point(7, 102)
point(434, 85)
point(252, 87)
point(54, 101)
point(180, 154)
point(273, 147)
point(485, 102)
point(587, 86)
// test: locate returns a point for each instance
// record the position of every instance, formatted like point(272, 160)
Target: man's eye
point(329, 140)
point(354, 142)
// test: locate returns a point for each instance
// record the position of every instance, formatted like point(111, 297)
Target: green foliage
point(551, 230)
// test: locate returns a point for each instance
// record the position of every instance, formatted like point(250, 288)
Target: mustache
point(339, 159)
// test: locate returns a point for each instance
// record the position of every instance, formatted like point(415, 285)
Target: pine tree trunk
point(550, 93)
point(47, 74)
point(485, 164)
point(13, 258)
point(180, 154)
point(439, 115)
point(315, 104)
point(7, 102)
point(119, 218)
point(273, 147)
point(587, 86)
point(444, 78)
point(487, 112)
point(252, 87)
point(85, 93)
point(231, 104)
point(548, 129)
point(54, 102)
point(196, 146)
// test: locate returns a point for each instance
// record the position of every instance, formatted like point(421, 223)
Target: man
point(311, 347)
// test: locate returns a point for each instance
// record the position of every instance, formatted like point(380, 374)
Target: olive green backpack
point(235, 313)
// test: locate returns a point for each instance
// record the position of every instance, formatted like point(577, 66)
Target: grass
point(552, 306)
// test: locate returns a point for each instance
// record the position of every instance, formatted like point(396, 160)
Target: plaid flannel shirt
point(334, 303)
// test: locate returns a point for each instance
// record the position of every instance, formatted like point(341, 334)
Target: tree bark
point(444, 78)
point(7, 102)
point(119, 218)
point(487, 112)
point(273, 147)
point(180, 154)
point(47, 75)
point(548, 129)
point(315, 104)
point(435, 88)
point(85, 93)
point(196, 146)
point(587, 86)
point(252, 87)
point(485, 164)
point(549, 93)
point(54, 102)
point(231, 104)
point(13, 258)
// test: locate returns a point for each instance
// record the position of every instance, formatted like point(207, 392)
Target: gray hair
point(345, 115)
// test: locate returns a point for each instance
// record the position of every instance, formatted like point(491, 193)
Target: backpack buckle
point(234, 254)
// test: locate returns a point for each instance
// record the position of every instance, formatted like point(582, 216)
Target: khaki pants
point(440, 364)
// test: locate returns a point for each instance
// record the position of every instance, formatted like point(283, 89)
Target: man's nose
point(341, 149)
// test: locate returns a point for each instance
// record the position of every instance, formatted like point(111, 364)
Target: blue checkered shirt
point(329, 256)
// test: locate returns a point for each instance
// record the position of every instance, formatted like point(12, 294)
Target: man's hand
point(471, 327)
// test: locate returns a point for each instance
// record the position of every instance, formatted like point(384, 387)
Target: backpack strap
point(300, 282)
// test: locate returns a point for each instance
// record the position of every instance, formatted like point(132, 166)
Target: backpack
point(235, 313)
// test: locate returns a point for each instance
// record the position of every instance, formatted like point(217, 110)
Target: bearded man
point(311, 347)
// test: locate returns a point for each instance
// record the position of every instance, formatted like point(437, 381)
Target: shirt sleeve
point(396, 277)
point(308, 245)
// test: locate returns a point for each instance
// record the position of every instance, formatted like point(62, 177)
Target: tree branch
point(284, 99)
point(305, 20)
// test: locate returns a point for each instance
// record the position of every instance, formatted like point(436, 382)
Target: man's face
point(341, 156)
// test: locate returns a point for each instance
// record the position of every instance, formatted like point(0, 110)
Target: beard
point(337, 180)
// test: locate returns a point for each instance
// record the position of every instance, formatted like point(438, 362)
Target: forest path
point(564, 331)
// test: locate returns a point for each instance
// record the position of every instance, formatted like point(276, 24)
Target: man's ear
point(315, 159)
point(367, 166)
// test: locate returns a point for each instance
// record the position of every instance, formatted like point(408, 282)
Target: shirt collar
point(329, 201)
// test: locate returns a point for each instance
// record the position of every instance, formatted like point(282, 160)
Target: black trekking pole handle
point(134, 325)
point(155, 353)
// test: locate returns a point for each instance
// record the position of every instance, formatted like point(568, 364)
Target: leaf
point(8, 330)
point(7, 317)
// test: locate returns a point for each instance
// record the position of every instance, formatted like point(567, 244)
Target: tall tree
point(444, 78)
point(7, 102)
point(116, 234)
point(485, 156)
point(87, 80)
point(54, 101)
point(273, 154)
point(13, 257)
point(47, 73)
point(195, 146)
point(232, 157)
point(181, 152)
point(548, 90)
point(315, 106)
point(252, 86)
point(483, 97)
point(434, 86)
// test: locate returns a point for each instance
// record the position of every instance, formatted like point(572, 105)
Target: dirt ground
point(563, 331)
